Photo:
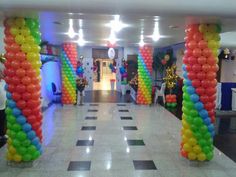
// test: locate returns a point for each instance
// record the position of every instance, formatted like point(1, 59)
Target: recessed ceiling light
point(173, 26)
point(57, 23)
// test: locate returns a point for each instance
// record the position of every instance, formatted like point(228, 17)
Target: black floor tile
point(91, 118)
point(79, 166)
point(92, 110)
point(85, 143)
point(93, 104)
point(135, 142)
point(130, 128)
point(121, 104)
point(144, 165)
point(126, 118)
point(88, 128)
point(123, 110)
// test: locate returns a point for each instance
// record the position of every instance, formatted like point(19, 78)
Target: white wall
point(2, 50)
point(228, 71)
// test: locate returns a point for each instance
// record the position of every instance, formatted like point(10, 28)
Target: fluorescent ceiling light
point(116, 24)
point(141, 42)
point(71, 32)
point(81, 40)
point(156, 34)
point(112, 38)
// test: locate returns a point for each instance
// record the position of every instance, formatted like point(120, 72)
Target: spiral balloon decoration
point(69, 64)
point(199, 91)
point(22, 70)
point(144, 95)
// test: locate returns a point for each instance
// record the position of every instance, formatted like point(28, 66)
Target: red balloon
point(31, 88)
point(9, 39)
point(36, 125)
point(206, 67)
point(201, 60)
point(214, 68)
point(25, 65)
point(7, 48)
point(16, 96)
point(211, 75)
point(20, 72)
point(26, 112)
point(7, 65)
point(191, 75)
point(200, 91)
point(202, 44)
point(33, 103)
point(197, 36)
point(15, 80)
point(188, 68)
point(188, 53)
point(213, 83)
point(213, 119)
point(35, 80)
point(212, 98)
point(15, 64)
point(205, 83)
point(185, 60)
point(211, 61)
point(26, 96)
point(201, 75)
point(20, 56)
point(196, 68)
point(31, 73)
point(206, 52)
point(192, 44)
point(9, 56)
point(10, 88)
point(196, 83)
point(26, 80)
point(10, 72)
point(21, 104)
point(211, 113)
point(15, 47)
point(204, 99)
point(20, 88)
point(192, 60)
point(208, 106)
point(197, 52)
point(31, 119)
point(210, 91)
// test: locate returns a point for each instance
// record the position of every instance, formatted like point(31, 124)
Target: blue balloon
point(212, 133)
point(9, 96)
point(11, 103)
point(207, 121)
point(31, 135)
point(203, 113)
point(185, 75)
point(199, 106)
point(6, 87)
point(35, 141)
point(187, 82)
point(16, 112)
point(211, 127)
point(194, 98)
point(184, 67)
point(39, 146)
point(21, 120)
point(26, 127)
point(190, 90)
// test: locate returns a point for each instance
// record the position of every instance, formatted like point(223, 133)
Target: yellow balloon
point(187, 147)
point(26, 48)
point(17, 158)
point(202, 28)
point(29, 40)
point(211, 28)
point(184, 139)
point(188, 133)
point(20, 22)
point(197, 149)
point(20, 39)
point(14, 31)
point(35, 48)
point(10, 21)
point(192, 156)
point(201, 157)
point(25, 31)
point(192, 141)
point(12, 150)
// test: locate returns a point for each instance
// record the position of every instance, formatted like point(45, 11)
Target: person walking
point(2, 106)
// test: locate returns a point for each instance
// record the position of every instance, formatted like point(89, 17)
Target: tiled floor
point(143, 142)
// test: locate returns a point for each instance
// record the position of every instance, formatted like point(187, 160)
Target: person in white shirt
point(2, 105)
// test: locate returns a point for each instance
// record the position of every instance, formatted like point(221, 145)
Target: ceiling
point(54, 18)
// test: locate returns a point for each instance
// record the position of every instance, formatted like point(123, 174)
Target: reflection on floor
point(106, 96)
point(104, 83)
point(149, 149)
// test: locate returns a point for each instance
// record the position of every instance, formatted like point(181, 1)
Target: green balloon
point(31, 149)
point(22, 150)
point(186, 97)
point(218, 28)
point(11, 119)
point(9, 125)
point(197, 135)
point(26, 157)
point(197, 121)
point(21, 135)
point(202, 142)
point(16, 127)
point(203, 129)
point(206, 149)
point(16, 143)
point(193, 113)
point(8, 111)
point(36, 155)
point(194, 128)
point(207, 135)
point(209, 155)
point(26, 143)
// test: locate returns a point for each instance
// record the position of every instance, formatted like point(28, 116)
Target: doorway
point(103, 75)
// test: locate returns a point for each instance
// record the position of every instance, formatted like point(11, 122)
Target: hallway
point(114, 140)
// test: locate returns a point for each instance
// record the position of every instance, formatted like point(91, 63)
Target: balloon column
point(69, 65)
point(22, 70)
point(144, 95)
point(200, 67)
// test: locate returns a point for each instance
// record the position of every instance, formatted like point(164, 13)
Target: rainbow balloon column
point(200, 67)
point(69, 58)
point(144, 95)
point(24, 117)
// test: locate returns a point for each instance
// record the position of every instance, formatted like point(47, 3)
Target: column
point(23, 110)
point(144, 95)
point(199, 91)
point(69, 64)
